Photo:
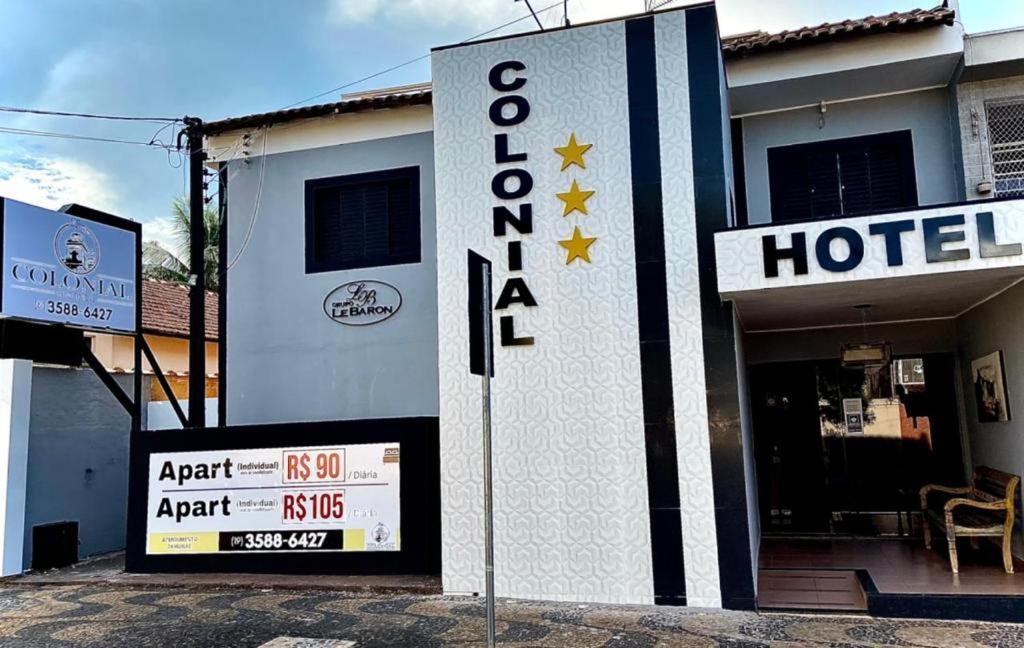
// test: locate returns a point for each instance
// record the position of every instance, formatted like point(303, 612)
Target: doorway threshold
point(900, 578)
point(810, 590)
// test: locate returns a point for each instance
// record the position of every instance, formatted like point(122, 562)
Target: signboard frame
point(419, 492)
point(82, 213)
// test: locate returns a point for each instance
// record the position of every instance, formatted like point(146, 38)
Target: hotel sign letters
point(511, 183)
point(942, 240)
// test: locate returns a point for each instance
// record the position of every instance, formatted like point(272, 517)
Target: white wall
point(996, 326)
point(15, 413)
point(925, 114)
point(570, 479)
point(286, 360)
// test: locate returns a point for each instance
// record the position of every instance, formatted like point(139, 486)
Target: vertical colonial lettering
point(515, 183)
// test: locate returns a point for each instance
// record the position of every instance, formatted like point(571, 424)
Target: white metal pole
point(488, 500)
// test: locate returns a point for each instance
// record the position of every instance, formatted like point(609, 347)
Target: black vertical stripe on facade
point(708, 123)
point(652, 315)
point(739, 172)
point(222, 300)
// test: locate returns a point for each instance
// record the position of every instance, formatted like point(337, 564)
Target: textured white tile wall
point(689, 393)
point(570, 476)
point(571, 505)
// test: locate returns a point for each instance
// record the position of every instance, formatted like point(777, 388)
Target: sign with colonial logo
point(339, 498)
point(67, 269)
point(361, 303)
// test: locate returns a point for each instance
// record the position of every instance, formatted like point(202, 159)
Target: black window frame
point(904, 141)
point(312, 186)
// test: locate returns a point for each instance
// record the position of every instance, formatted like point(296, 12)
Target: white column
point(15, 409)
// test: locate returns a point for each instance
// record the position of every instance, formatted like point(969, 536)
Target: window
point(363, 220)
point(842, 177)
point(1006, 143)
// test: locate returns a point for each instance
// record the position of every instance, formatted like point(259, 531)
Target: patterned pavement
point(87, 615)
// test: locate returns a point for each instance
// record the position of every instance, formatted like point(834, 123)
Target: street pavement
point(114, 616)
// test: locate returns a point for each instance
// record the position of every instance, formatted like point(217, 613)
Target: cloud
point(162, 231)
point(54, 181)
point(479, 14)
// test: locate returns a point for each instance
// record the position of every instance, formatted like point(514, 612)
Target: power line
point(533, 14)
point(58, 113)
point(73, 136)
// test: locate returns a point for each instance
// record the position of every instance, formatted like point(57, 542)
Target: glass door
point(844, 450)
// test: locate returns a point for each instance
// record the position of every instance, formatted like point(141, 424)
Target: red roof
point(757, 42)
point(165, 309)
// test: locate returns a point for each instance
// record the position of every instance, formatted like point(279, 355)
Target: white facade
point(572, 519)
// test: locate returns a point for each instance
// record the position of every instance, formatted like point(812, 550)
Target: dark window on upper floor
point(842, 177)
point(363, 220)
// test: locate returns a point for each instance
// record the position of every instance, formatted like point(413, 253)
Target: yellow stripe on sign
point(355, 540)
point(398, 539)
point(183, 543)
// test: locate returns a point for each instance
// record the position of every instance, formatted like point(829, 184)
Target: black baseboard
point(677, 601)
point(960, 607)
point(740, 604)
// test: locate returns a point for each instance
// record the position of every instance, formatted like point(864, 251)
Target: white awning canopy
point(928, 263)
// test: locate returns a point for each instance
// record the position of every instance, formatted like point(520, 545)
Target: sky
point(222, 58)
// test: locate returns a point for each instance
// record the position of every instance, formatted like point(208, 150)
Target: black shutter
point(877, 173)
point(842, 177)
point(804, 183)
point(363, 220)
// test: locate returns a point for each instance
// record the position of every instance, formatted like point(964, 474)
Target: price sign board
point(339, 498)
point(65, 269)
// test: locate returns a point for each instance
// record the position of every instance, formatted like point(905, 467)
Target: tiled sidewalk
point(115, 616)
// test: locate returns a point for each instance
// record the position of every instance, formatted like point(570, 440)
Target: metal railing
point(1006, 145)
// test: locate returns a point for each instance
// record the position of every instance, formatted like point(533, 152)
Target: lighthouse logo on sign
point(77, 248)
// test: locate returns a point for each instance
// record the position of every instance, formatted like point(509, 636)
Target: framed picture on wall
point(990, 396)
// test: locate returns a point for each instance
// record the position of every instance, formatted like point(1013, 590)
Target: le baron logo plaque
point(361, 303)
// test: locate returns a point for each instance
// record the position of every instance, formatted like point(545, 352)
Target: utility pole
point(197, 276)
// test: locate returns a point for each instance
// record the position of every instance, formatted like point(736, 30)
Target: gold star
point(578, 246)
point(575, 200)
point(572, 153)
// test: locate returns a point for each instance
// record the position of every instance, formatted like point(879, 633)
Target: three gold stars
point(578, 246)
point(572, 153)
point(575, 199)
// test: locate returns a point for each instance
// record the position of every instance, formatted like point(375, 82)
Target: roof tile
point(735, 46)
point(165, 309)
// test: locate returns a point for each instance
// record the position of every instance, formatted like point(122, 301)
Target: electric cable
point(89, 138)
point(425, 56)
point(59, 113)
point(256, 204)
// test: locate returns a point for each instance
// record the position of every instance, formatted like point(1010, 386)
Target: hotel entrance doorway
point(843, 451)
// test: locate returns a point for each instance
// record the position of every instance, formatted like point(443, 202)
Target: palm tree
point(160, 263)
